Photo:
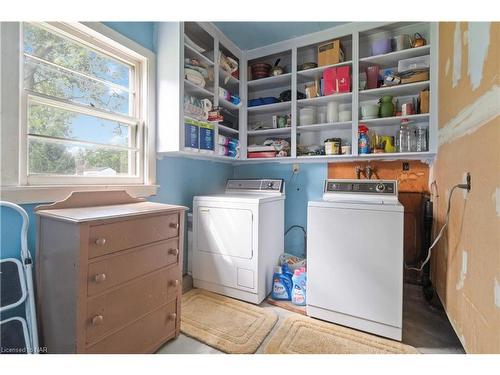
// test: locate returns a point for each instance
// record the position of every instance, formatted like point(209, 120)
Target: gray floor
point(424, 327)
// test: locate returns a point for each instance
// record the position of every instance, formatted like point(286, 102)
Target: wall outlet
point(466, 181)
point(295, 168)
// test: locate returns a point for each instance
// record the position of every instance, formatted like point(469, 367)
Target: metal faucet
point(358, 172)
point(368, 171)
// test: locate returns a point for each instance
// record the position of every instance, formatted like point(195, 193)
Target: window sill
point(52, 193)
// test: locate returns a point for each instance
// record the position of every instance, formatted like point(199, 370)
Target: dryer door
point(226, 231)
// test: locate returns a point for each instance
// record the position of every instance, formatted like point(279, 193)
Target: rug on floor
point(227, 324)
point(302, 335)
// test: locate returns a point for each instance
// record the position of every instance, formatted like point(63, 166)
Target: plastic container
point(381, 46)
point(299, 280)
point(282, 285)
point(414, 63)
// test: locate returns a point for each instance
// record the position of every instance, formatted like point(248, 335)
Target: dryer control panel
point(275, 185)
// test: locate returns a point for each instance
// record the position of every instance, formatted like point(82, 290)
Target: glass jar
point(421, 138)
point(403, 138)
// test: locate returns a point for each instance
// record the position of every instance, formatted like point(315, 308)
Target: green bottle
point(386, 106)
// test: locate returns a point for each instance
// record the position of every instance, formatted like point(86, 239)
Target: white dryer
point(355, 256)
point(238, 237)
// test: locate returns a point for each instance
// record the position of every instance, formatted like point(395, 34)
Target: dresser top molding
point(83, 206)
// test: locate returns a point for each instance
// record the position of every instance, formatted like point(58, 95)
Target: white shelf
point(274, 107)
point(317, 73)
point(191, 88)
point(194, 54)
point(325, 157)
point(270, 82)
point(322, 100)
point(398, 155)
point(227, 104)
point(395, 120)
point(391, 59)
point(269, 131)
point(326, 126)
point(227, 129)
point(269, 160)
point(397, 90)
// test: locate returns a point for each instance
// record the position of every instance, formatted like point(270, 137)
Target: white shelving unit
point(355, 38)
point(172, 86)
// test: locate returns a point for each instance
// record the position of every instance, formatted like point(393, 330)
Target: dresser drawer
point(126, 265)
point(142, 335)
point(119, 307)
point(121, 235)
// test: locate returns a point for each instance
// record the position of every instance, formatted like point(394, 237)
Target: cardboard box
point(343, 80)
point(329, 81)
point(330, 53)
point(423, 99)
point(416, 77)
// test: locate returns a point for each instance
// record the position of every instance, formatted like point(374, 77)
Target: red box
point(343, 79)
point(329, 81)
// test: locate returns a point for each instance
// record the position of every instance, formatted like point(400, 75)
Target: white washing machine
point(355, 256)
point(238, 237)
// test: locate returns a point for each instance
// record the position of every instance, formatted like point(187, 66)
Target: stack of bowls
point(260, 70)
point(307, 115)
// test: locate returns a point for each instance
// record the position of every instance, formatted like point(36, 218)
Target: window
point(86, 106)
point(82, 110)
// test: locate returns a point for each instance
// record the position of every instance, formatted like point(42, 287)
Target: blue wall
point(305, 185)
point(140, 32)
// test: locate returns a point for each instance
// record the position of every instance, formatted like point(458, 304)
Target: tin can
point(332, 146)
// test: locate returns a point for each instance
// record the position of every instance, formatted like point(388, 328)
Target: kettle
point(417, 41)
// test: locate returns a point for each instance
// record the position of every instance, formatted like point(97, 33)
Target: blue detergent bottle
point(282, 285)
point(299, 288)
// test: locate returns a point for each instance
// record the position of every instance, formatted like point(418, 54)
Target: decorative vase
point(386, 106)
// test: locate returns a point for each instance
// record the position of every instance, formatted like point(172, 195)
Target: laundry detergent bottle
point(282, 285)
point(299, 288)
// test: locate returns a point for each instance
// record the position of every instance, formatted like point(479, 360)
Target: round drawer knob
point(99, 277)
point(100, 242)
point(97, 320)
point(174, 225)
point(174, 282)
point(172, 316)
point(173, 251)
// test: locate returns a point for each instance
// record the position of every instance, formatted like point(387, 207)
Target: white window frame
point(16, 185)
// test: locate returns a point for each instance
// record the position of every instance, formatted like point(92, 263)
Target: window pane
point(56, 122)
point(69, 54)
point(47, 157)
point(49, 80)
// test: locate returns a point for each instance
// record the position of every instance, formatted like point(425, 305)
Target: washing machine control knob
point(270, 185)
point(380, 188)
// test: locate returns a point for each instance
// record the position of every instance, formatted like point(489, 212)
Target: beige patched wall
point(466, 264)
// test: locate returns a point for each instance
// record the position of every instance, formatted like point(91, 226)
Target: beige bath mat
point(303, 335)
point(226, 324)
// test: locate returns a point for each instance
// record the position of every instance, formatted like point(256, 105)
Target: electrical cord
point(441, 231)
point(305, 236)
